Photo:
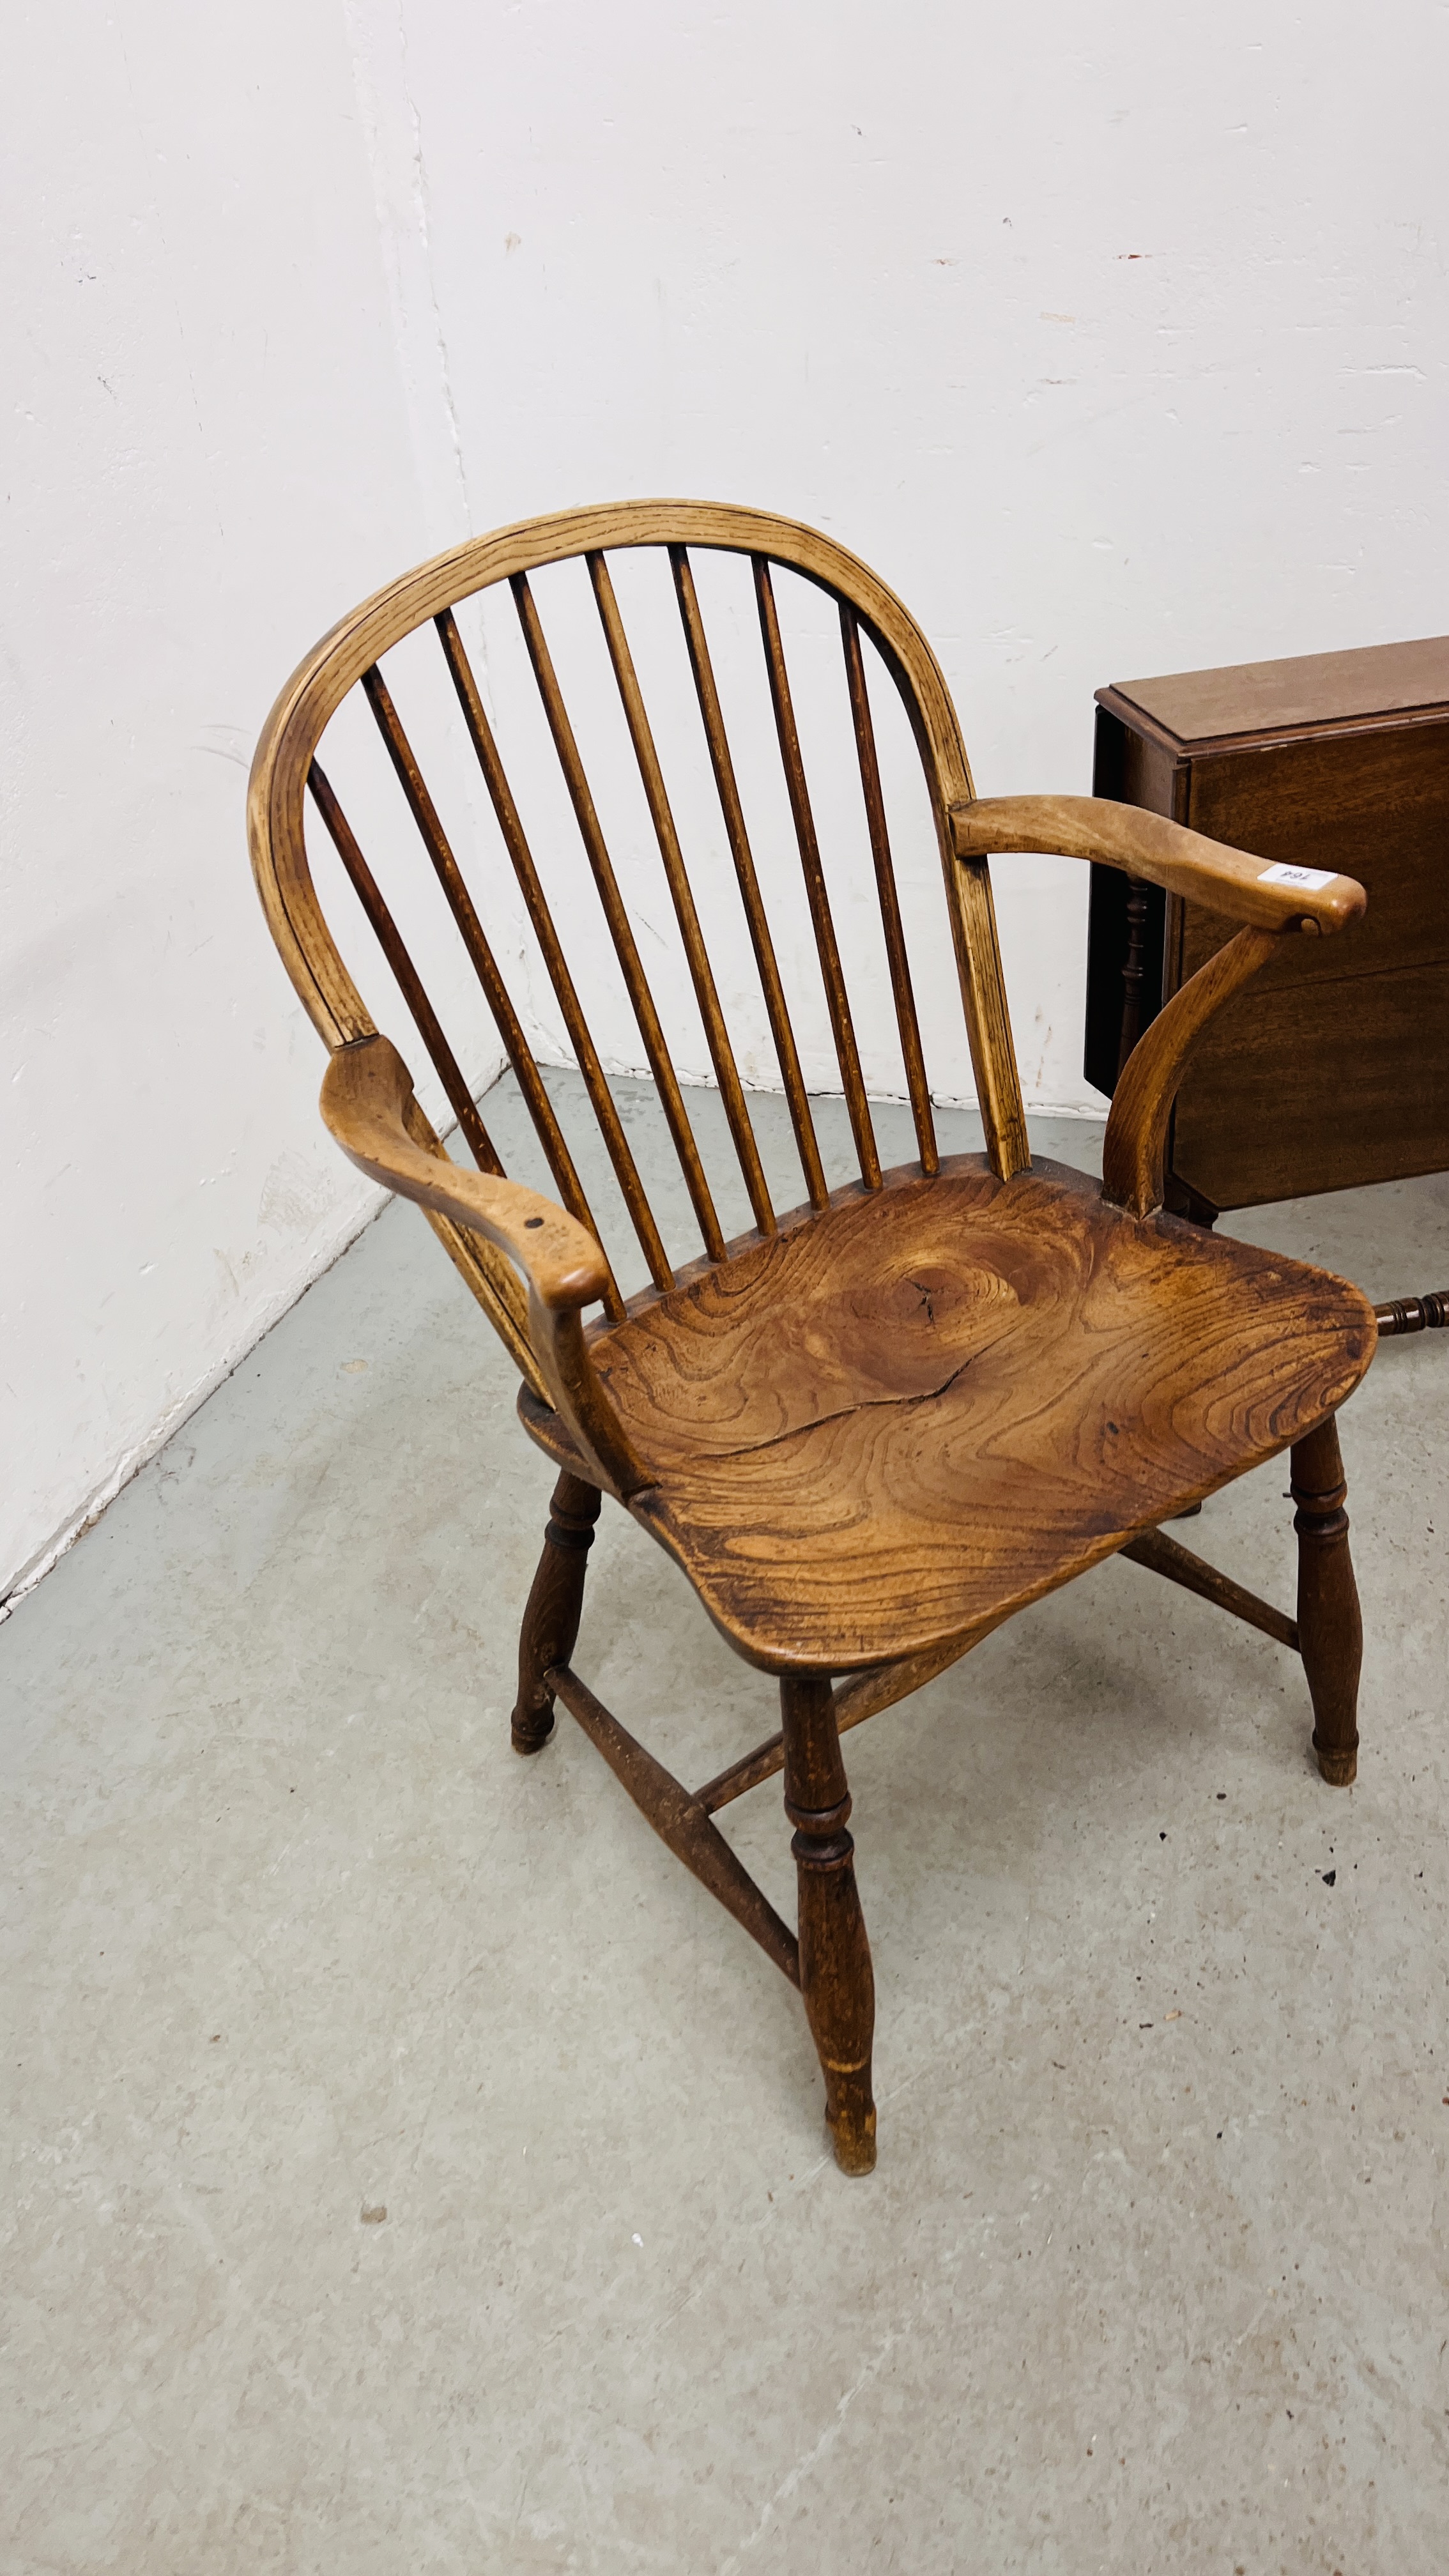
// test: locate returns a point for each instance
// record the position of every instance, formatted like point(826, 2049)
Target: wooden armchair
point(876, 1425)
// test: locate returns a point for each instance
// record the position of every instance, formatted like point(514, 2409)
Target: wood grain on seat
point(912, 1415)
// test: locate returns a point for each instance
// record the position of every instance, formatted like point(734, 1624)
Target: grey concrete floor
point(1151, 2273)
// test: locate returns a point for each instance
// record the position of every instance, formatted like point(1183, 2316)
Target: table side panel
point(1373, 806)
point(1333, 1087)
point(1332, 1070)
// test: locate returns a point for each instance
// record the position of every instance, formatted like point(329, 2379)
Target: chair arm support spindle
point(1134, 1149)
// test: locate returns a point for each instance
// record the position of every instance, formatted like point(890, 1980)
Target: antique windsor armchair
point(872, 1427)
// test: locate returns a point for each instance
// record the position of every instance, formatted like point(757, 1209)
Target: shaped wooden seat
point(878, 1424)
point(884, 1432)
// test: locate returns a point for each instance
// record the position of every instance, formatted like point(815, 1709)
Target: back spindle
point(481, 958)
point(601, 1099)
point(662, 818)
point(405, 974)
point(616, 916)
point(712, 716)
point(890, 910)
point(837, 1001)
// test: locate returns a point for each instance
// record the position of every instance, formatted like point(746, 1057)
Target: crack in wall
point(392, 134)
point(420, 198)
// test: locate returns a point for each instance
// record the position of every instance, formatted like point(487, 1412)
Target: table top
point(1379, 681)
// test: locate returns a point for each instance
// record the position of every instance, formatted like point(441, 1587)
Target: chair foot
point(555, 1606)
point(836, 1979)
point(852, 2130)
point(1330, 1627)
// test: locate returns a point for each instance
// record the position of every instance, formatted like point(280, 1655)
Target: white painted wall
point(1115, 339)
point(208, 453)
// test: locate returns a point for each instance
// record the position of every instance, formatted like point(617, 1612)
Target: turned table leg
point(835, 1970)
point(1330, 1629)
point(555, 1605)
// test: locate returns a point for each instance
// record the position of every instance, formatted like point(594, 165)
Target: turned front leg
point(1330, 1628)
point(555, 1606)
point(835, 1970)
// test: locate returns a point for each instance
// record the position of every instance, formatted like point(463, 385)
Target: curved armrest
point(367, 1093)
point(1247, 889)
point(368, 1105)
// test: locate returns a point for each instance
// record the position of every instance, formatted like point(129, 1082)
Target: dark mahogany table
point(1332, 1069)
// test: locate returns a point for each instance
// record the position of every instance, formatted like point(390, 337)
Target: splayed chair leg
point(1330, 1629)
point(835, 1970)
point(555, 1606)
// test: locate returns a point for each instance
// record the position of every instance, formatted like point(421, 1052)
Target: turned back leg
point(555, 1605)
point(1330, 1629)
point(835, 1971)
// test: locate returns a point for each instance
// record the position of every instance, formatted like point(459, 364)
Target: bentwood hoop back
point(889, 1415)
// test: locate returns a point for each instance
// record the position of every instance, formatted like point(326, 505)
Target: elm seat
point(899, 1423)
point(876, 1426)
